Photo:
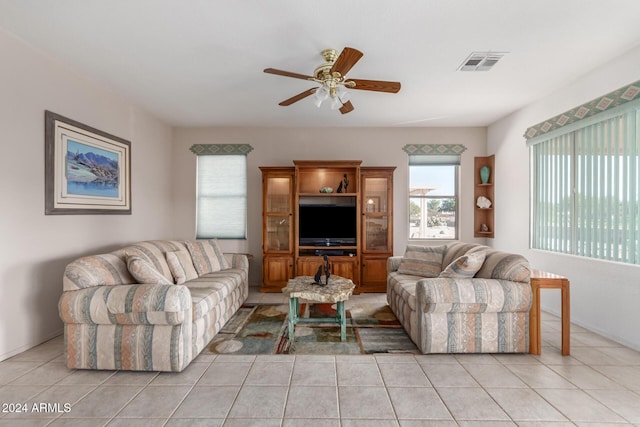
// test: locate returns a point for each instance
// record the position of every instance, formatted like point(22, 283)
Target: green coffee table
point(337, 291)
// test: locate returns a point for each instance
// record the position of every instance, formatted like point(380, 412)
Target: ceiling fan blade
point(347, 107)
point(347, 59)
point(298, 97)
point(286, 74)
point(375, 85)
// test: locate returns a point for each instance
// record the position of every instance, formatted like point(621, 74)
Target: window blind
point(221, 197)
point(585, 189)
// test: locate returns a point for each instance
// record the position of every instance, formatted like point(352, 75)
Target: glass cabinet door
point(375, 201)
point(278, 214)
point(278, 195)
point(278, 233)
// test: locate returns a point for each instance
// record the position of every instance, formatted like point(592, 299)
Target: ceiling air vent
point(481, 61)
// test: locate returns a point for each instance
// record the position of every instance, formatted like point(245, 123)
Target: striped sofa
point(112, 321)
point(451, 310)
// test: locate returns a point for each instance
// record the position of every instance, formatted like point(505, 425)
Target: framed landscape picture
point(87, 171)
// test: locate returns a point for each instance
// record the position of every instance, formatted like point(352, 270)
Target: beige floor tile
point(576, 405)
point(365, 403)
point(189, 376)
point(312, 402)
point(260, 402)
point(359, 374)
point(539, 376)
point(314, 373)
point(131, 378)
point(476, 359)
point(628, 376)
point(307, 422)
point(471, 404)
point(403, 375)
point(244, 422)
point(265, 373)
point(46, 374)
point(9, 370)
point(585, 377)
point(535, 408)
point(155, 402)
point(449, 375)
point(195, 422)
point(85, 376)
point(140, 422)
point(207, 402)
point(622, 356)
point(418, 403)
point(368, 423)
point(623, 402)
point(222, 373)
point(496, 375)
point(103, 402)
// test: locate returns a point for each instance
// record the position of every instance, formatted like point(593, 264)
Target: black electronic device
point(327, 225)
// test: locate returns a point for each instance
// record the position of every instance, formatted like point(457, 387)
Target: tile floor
point(598, 385)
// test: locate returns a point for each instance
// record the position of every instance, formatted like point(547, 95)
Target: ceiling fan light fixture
point(321, 94)
point(335, 103)
point(343, 94)
point(332, 81)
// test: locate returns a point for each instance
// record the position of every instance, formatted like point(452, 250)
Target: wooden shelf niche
point(484, 216)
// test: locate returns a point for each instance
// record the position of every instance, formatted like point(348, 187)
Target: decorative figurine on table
point(317, 279)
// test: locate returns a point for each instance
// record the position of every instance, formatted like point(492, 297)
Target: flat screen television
point(327, 225)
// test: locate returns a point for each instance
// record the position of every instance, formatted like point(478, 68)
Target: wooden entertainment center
point(357, 234)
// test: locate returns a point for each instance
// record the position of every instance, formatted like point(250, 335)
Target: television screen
point(327, 225)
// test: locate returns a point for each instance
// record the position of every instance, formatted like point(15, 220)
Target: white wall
point(35, 248)
point(604, 295)
point(280, 146)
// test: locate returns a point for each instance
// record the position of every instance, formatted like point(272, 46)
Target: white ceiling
point(200, 62)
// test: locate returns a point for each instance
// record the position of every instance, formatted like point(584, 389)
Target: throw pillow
point(425, 261)
point(464, 267)
point(144, 272)
point(207, 256)
point(181, 266)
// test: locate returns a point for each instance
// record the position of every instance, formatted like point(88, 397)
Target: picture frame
point(87, 171)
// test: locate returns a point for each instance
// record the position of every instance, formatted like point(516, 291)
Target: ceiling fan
point(332, 77)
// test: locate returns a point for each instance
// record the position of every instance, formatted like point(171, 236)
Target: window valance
point(220, 149)
point(569, 119)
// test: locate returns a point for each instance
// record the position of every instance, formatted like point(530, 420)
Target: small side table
point(545, 280)
point(337, 291)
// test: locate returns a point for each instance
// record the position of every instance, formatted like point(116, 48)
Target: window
point(433, 196)
point(221, 210)
point(586, 188)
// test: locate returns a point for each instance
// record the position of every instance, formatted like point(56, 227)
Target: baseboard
point(26, 347)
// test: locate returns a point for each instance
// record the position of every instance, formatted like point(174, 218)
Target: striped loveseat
point(461, 298)
point(183, 294)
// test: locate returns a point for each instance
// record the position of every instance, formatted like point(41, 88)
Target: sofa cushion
point(505, 266)
point(96, 270)
point(207, 256)
point(457, 249)
point(424, 261)
point(464, 267)
point(153, 251)
point(145, 272)
point(181, 266)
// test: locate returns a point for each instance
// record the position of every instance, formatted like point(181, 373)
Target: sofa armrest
point(473, 295)
point(239, 261)
point(393, 263)
point(138, 304)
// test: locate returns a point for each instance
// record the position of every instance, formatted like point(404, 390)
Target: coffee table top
point(338, 289)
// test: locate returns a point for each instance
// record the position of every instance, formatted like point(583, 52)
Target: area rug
point(263, 329)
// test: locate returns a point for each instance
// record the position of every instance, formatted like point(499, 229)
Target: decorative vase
point(484, 174)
